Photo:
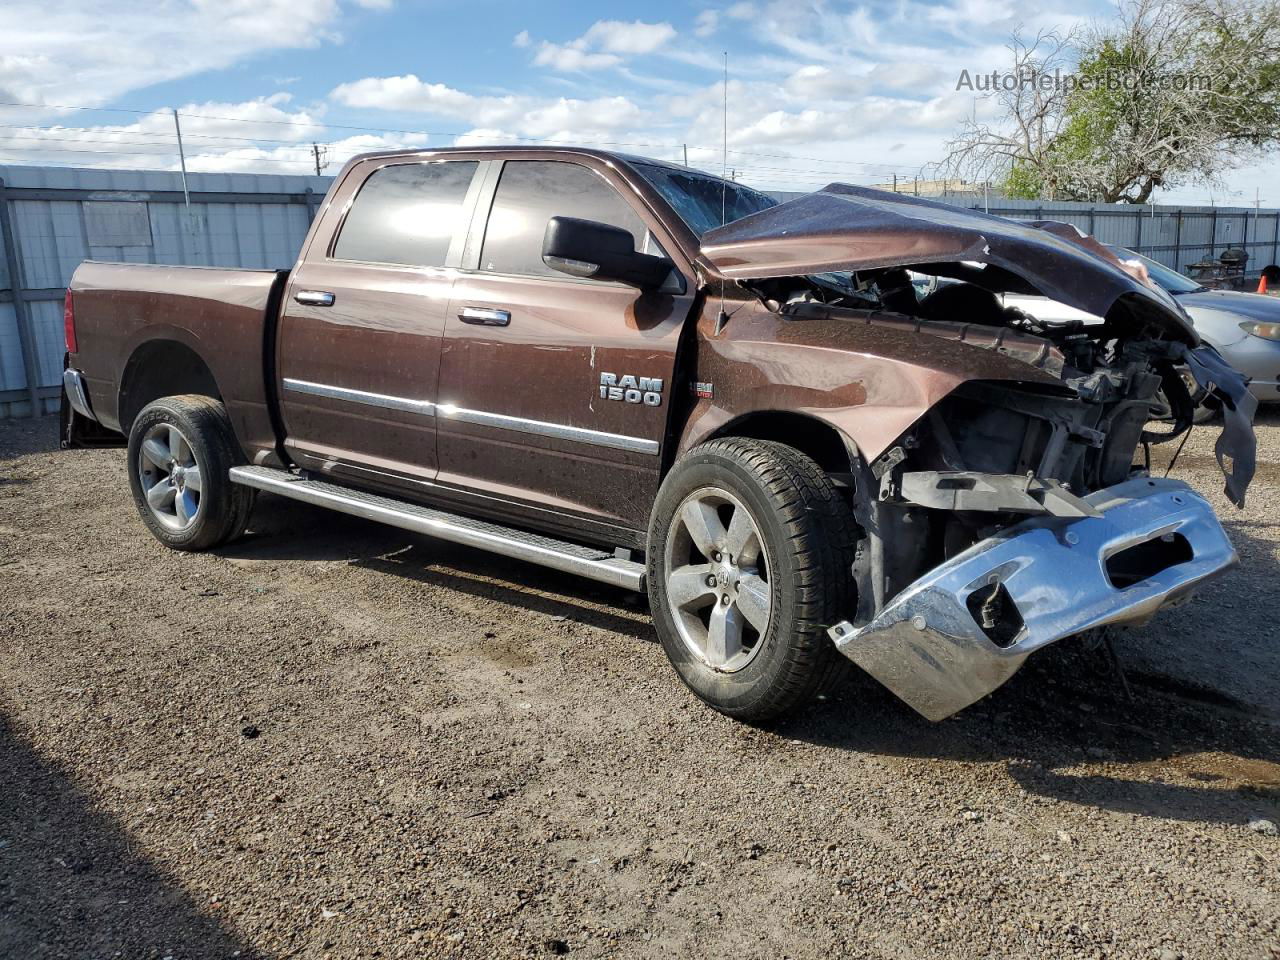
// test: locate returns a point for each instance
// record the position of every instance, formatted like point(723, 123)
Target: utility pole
point(686, 154)
point(895, 183)
point(1257, 202)
point(182, 160)
point(321, 155)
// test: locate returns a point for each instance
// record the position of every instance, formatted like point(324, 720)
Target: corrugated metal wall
point(58, 217)
point(1176, 236)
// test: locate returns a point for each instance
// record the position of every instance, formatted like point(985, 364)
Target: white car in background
point(1245, 327)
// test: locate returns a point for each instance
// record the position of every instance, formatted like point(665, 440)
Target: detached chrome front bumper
point(1052, 577)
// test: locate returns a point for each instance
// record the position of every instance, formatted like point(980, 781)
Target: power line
point(158, 156)
point(316, 155)
point(170, 143)
point(146, 133)
point(441, 133)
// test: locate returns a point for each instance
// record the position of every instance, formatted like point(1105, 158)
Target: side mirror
point(598, 251)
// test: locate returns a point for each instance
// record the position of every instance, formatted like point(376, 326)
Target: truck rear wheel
point(180, 449)
point(749, 561)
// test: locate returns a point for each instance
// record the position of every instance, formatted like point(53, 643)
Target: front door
point(554, 391)
point(363, 317)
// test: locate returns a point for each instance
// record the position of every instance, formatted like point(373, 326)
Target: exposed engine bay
point(1012, 513)
point(990, 454)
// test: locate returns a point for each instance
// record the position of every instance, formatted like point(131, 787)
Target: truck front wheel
point(180, 449)
point(749, 561)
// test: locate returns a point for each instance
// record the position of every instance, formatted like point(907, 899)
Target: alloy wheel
point(717, 579)
point(170, 476)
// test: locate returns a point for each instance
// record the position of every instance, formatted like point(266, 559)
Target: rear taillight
point(69, 323)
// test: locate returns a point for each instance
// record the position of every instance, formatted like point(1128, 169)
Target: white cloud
point(973, 13)
point(298, 159)
point(911, 76)
point(216, 136)
point(818, 82)
point(779, 126)
point(570, 59)
point(95, 50)
point(483, 136)
point(265, 117)
point(403, 93)
point(635, 37)
point(826, 91)
point(604, 45)
point(529, 116)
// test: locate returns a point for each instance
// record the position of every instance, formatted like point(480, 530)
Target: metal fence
point(1177, 236)
point(53, 218)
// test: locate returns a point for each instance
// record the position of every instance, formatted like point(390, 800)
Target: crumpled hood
point(843, 227)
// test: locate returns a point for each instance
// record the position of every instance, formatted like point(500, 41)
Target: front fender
point(869, 377)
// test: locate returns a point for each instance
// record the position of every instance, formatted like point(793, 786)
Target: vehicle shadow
point(73, 884)
point(1187, 733)
point(1169, 745)
point(285, 529)
point(1065, 728)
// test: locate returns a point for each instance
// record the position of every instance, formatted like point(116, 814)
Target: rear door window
point(531, 192)
point(407, 213)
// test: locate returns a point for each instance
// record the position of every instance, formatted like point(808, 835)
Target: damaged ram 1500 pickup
point(651, 377)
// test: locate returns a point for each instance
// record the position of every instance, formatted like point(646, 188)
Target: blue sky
point(818, 91)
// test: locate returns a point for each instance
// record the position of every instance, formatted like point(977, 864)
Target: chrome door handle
point(485, 316)
point(314, 298)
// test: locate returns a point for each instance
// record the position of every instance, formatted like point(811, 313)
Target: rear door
point(555, 391)
point(362, 320)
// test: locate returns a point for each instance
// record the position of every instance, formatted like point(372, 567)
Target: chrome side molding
point(542, 428)
point(502, 421)
point(424, 407)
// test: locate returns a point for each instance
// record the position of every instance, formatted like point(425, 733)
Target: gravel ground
point(336, 739)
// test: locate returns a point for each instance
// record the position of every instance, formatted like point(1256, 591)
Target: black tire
point(808, 536)
point(1205, 414)
point(222, 508)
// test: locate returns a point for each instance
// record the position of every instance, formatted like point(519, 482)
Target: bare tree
point(1029, 118)
point(1172, 91)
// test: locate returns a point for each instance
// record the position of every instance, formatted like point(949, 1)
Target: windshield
point(1165, 277)
point(698, 197)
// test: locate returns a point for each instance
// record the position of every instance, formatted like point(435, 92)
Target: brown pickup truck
point(651, 377)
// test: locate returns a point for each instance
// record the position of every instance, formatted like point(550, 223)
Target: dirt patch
point(334, 739)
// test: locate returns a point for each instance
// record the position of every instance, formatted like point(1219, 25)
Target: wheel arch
point(161, 368)
point(820, 440)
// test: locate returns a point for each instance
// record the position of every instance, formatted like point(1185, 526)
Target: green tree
point(1171, 92)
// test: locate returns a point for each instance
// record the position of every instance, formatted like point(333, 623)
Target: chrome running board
point(590, 562)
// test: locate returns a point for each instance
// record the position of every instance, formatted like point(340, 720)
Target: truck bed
point(225, 318)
